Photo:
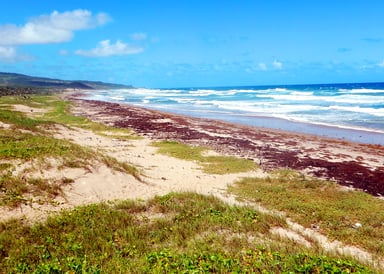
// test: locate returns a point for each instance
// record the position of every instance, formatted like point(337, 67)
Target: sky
point(195, 43)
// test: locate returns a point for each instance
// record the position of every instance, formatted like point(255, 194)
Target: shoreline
point(206, 103)
point(358, 135)
point(352, 164)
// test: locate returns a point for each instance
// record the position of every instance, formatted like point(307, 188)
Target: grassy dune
point(186, 233)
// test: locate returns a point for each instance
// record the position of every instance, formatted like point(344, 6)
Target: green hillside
point(20, 80)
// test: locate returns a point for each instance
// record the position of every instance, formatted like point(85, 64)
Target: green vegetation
point(27, 146)
point(56, 112)
point(210, 164)
point(14, 189)
point(310, 201)
point(28, 140)
point(15, 83)
point(177, 233)
point(18, 121)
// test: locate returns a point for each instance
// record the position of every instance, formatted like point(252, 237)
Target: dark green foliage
point(261, 260)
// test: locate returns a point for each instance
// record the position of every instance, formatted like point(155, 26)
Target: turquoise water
point(333, 110)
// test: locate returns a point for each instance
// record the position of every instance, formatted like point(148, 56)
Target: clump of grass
point(5, 166)
point(19, 120)
point(180, 151)
point(196, 234)
point(227, 164)
point(210, 164)
point(311, 201)
point(17, 190)
point(121, 166)
point(27, 146)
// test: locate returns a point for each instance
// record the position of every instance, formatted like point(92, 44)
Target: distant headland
point(14, 83)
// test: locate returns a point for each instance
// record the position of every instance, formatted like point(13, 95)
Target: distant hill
point(15, 80)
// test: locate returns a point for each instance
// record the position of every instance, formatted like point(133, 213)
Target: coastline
point(358, 135)
point(333, 111)
point(352, 164)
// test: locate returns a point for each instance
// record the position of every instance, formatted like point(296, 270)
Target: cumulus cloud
point(381, 64)
point(262, 66)
point(277, 64)
point(9, 54)
point(105, 48)
point(53, 28)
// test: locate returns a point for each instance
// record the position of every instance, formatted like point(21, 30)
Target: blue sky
point(190, 43)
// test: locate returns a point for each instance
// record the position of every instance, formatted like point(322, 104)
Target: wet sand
point(351, 164)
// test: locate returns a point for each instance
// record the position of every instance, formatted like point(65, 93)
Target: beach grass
point(211, 164)
point(28, 140)
point(18, 121)
point(38, 150)
point(57, 111)
point(350, 216)
point(175, 233)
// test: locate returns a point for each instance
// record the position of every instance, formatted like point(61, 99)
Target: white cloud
point(139, 36)
point(277, 64)
point(105, 48)
point(262, 66)
point(10, 54)
point(7, 54)
point(372, 65)
point(53, 28)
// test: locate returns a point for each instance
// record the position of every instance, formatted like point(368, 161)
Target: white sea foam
point(372, 111)
point(290, 97)
point(203, 92)
point(354, 99)
point(117, 98)
point(302, 93)
point(361, 90)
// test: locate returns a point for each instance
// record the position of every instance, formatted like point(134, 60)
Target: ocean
point(350, 111)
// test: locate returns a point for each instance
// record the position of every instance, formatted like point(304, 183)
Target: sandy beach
point(350, 164)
